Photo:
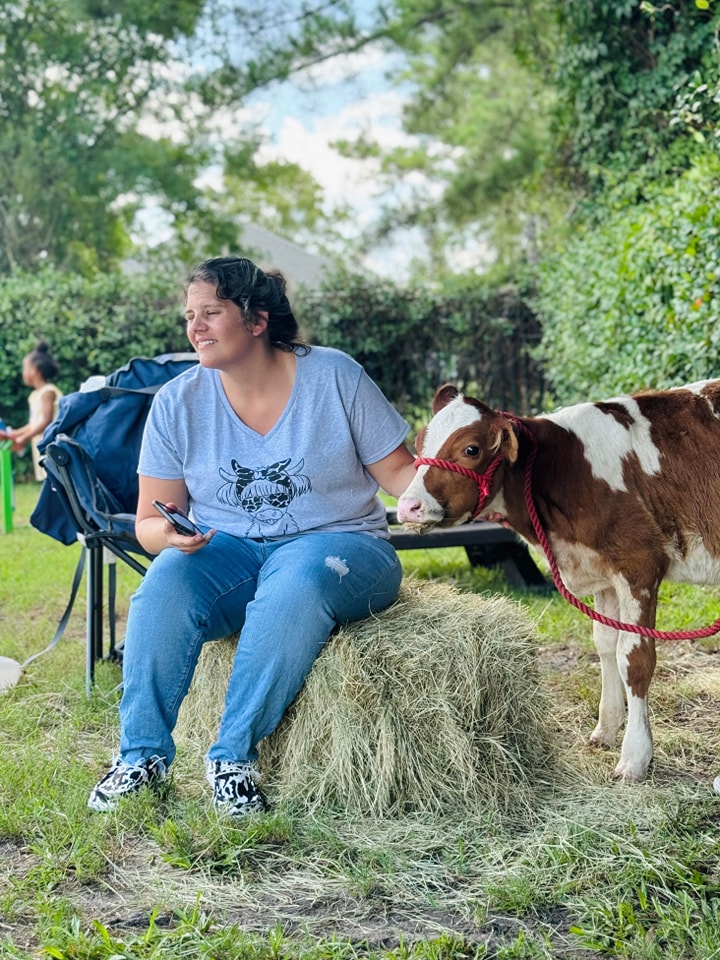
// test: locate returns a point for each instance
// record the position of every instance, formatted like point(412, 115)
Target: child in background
point(39, 369)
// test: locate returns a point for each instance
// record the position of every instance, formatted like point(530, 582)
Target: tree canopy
point(568, 147)
point(108, 103)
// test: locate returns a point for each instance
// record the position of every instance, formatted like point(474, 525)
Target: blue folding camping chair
point(90, 454)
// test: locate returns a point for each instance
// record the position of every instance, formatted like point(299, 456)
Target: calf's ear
point(443, 396)
point(503, 439)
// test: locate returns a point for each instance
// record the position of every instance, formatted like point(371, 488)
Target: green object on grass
point(6, 486)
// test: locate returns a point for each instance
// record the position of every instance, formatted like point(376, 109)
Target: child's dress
point(36, 414)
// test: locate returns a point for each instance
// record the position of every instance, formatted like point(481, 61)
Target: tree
point(74, 78)
point(103, 105)
point(481, 117)
point(480, 95)
point(624, 67)
point(522, 109)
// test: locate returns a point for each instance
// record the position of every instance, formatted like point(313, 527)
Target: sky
point(342, 99)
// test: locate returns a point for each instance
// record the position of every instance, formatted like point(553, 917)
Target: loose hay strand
point(433, 705)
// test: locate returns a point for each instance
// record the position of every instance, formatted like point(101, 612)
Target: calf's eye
point(472, 451)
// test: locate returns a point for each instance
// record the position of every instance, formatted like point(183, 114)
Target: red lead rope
point(484, 480)
point(571, 598)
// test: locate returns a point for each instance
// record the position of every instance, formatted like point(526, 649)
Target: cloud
point(308, 138)
point(347, 98)
point(300, 134)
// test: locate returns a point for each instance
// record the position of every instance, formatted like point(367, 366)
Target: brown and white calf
point(628, 494)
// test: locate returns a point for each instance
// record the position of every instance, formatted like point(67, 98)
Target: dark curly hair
point(253, 290)
point(41, 358)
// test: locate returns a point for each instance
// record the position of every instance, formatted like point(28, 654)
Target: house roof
point(299, 267)
point(268, 250)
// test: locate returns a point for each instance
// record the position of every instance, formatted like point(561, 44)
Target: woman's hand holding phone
point(183, 526)
point(181, 523)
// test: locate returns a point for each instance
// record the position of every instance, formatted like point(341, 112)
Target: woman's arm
point(153, 531)
point(394, 472)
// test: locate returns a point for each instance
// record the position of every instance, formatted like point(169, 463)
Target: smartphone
point(182, 524)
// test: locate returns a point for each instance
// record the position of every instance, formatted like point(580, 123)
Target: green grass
point(599, 870)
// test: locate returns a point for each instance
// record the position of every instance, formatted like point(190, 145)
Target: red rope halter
point(484, 480)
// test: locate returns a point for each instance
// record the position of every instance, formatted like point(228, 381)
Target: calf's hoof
point(603, 739)
point(626, 772)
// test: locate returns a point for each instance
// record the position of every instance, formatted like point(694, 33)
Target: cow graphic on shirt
point(265, 493)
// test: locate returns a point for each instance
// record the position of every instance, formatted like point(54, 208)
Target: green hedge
point(92, 326)
point(480, 336)
point(410, 340)
point(633, 301)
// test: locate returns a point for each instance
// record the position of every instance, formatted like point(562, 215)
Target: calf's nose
point(409, 509)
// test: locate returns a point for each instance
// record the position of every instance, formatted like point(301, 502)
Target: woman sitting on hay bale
point(434, 706)
point(277, 450)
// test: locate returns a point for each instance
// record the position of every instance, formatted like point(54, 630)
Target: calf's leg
point(611, 714)
point(636, 656)
point(636, 663)
point(627, 662)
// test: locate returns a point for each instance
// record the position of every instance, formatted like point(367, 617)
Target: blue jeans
point(285, 597)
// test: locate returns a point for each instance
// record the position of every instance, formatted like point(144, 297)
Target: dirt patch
point(304, 906)
point(370, 924)
point(563, 659)
point(16, 862)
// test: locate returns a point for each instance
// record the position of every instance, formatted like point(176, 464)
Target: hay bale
point(433, 705)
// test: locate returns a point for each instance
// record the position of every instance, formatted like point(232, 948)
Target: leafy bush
point(632, 301)
point(624, 68)
point(411, 340)
point(92, 326)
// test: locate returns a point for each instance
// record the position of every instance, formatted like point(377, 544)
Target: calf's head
point(466, 433)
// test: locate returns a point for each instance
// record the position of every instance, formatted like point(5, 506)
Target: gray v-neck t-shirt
point(306, 474)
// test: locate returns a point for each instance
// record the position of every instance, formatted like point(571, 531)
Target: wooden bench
point(486, 544)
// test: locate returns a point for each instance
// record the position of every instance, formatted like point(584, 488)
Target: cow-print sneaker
point(122, 779)
point(234, 789)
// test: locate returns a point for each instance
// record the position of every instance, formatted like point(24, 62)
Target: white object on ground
point(10, 673)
